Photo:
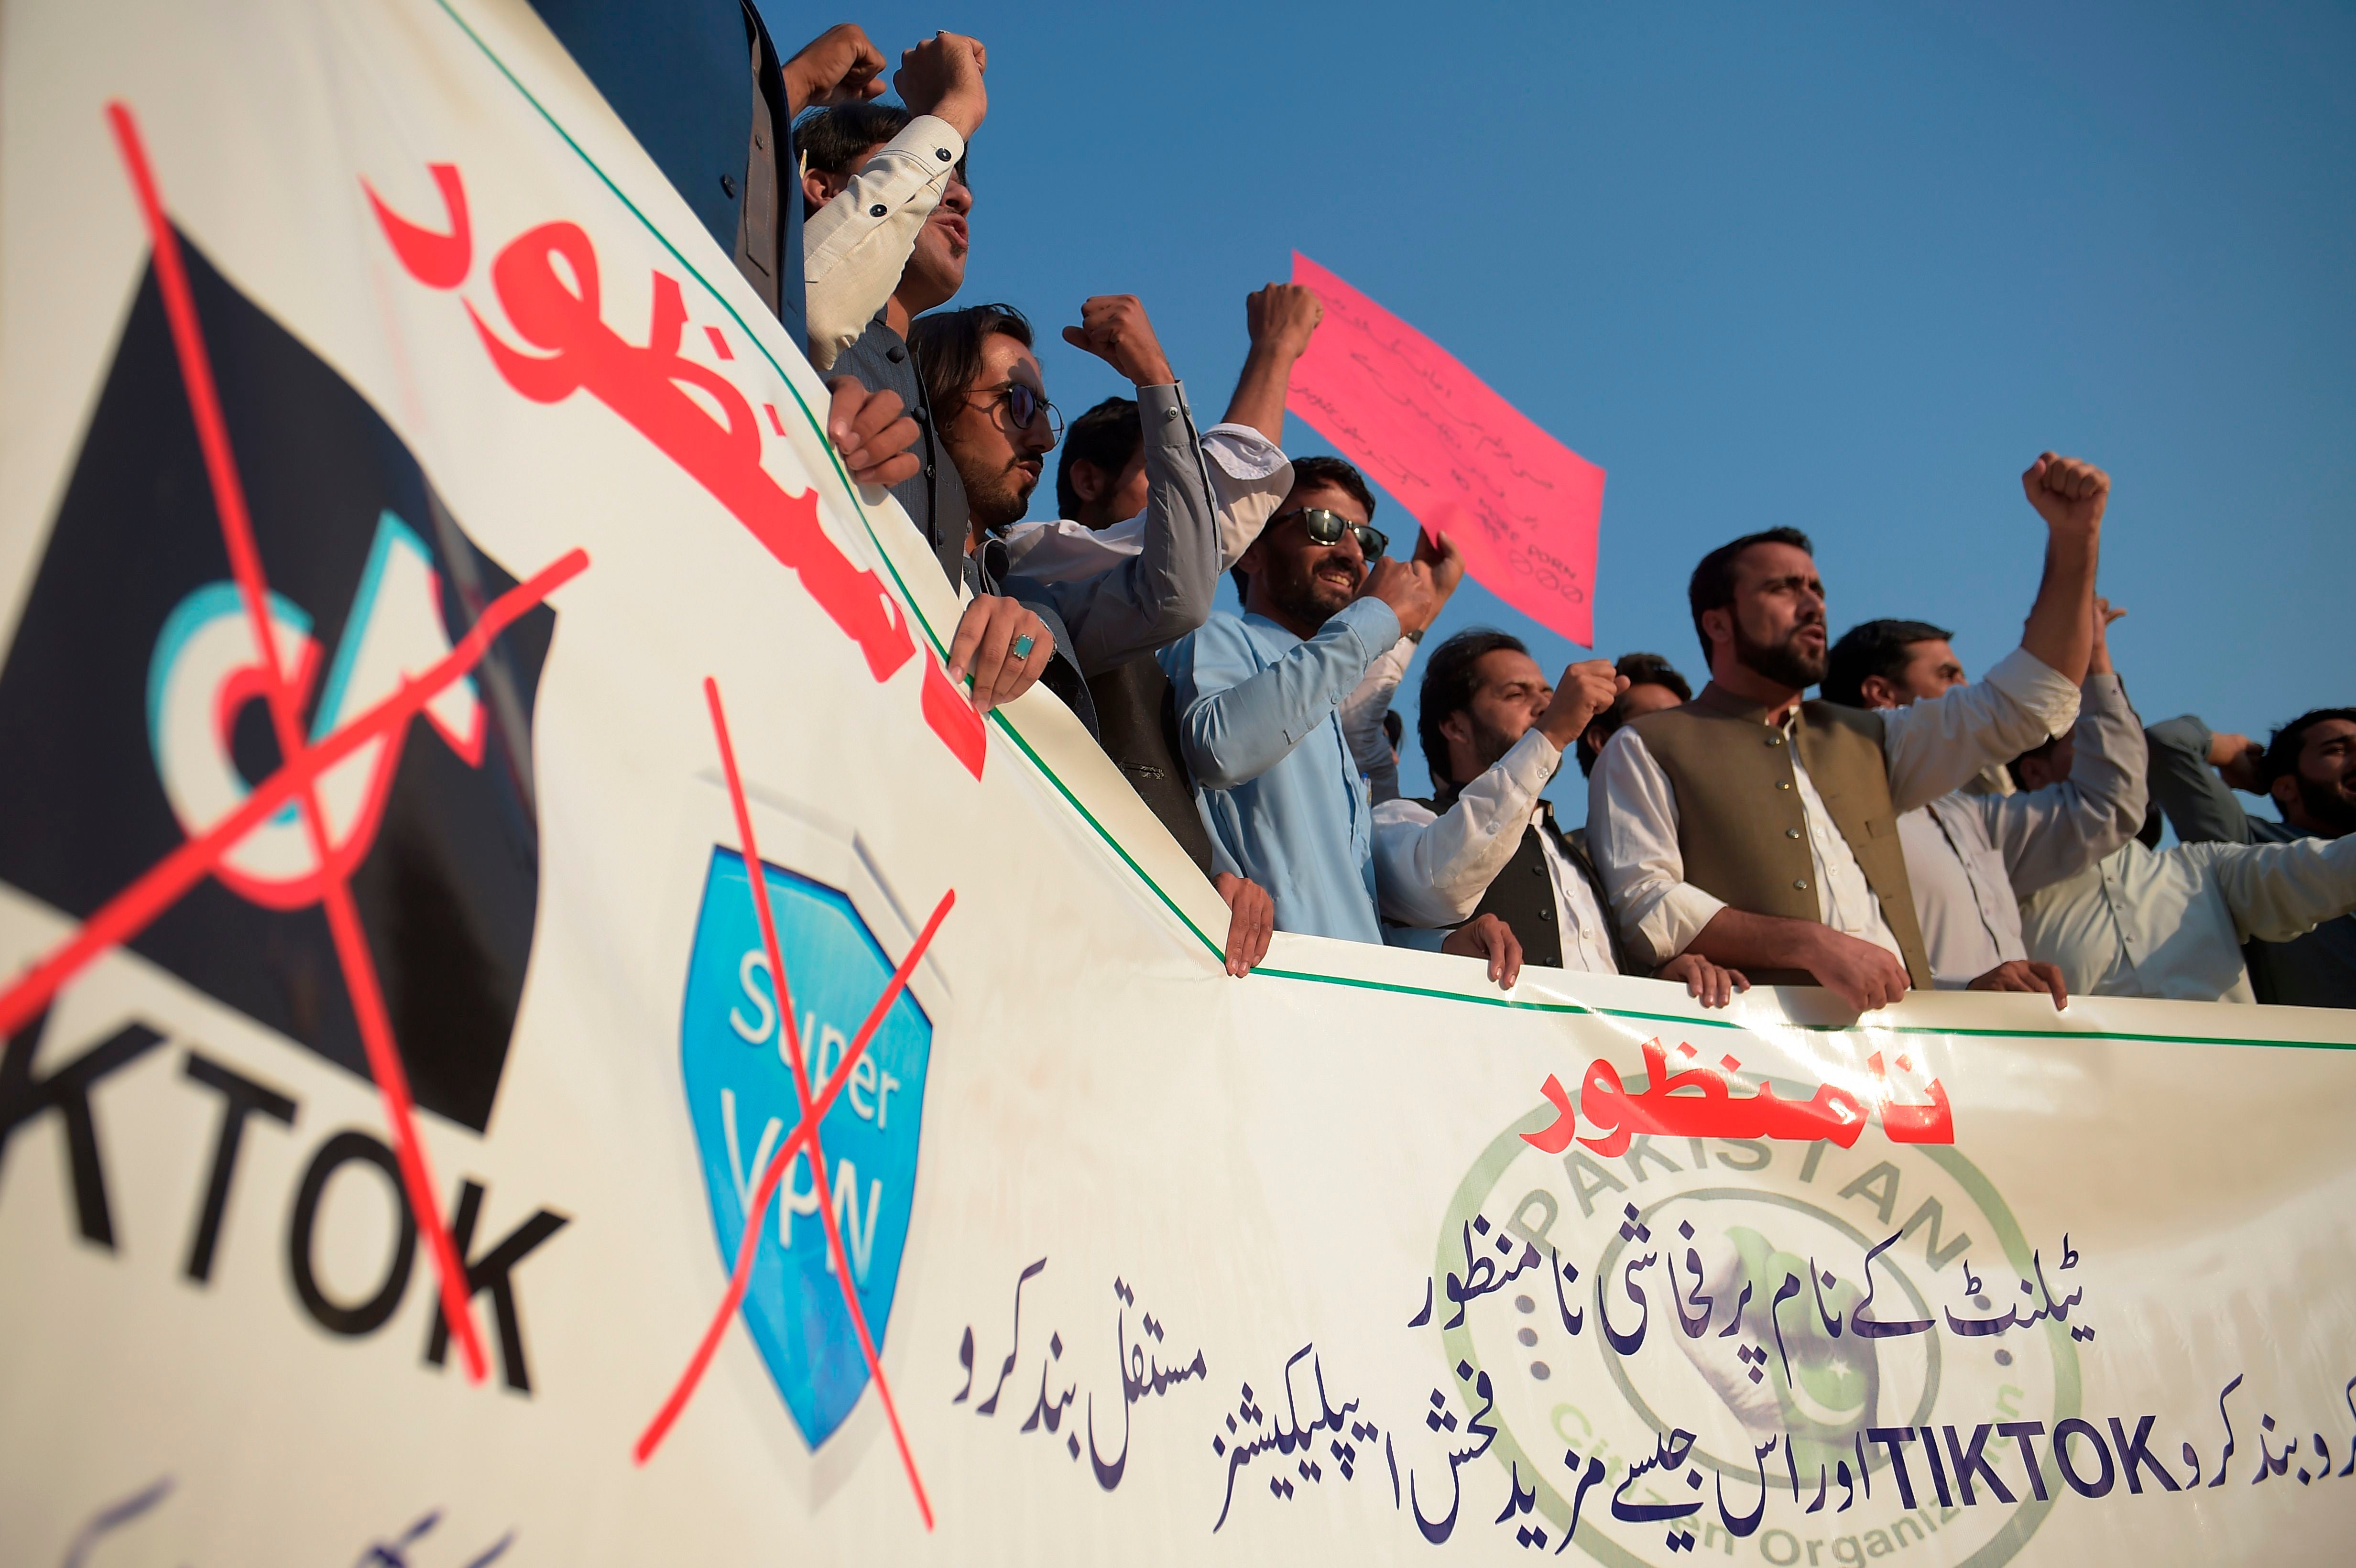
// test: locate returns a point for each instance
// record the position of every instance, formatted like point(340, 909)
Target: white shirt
point(1929, 749)
point(1362, 719)
point(1970, 858)
point(856, 246)
point(2140, 924)
point(1249, 477)
point(1433, 868)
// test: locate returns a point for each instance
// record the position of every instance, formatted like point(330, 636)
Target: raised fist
point(1284, 316)
point(942, 77)
point(1114, 329)
point(1586, 689)
point(2067, 491)
point(839, 66)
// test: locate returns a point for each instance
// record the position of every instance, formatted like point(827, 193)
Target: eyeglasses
point(1327, 528)
point(1024, 403)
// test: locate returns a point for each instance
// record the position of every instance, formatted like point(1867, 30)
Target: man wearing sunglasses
point(1257, 695)
point(984, 383)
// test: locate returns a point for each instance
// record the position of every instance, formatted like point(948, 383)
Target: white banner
point(387, 460)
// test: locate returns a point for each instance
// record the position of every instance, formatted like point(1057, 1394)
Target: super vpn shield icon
point(741, 1097)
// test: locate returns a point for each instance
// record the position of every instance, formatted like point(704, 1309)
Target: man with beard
point(984, 384)
point(1972, 855)
point(2310, 769)
point(1258, 696)
point(1762, 831)
point(2171, 924)
point(1494, 732)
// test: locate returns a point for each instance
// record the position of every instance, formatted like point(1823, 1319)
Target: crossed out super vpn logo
point(840, 932)
point(133, 705)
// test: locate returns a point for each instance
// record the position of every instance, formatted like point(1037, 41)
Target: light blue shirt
point(1276, 785)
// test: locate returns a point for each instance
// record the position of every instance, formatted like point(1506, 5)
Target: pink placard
point(1522, 506)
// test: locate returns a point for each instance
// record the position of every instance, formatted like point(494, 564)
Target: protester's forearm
point(1933, 747)
point(1166, 590)
point(1235, 734)
point(2277, 891)
point(1260, 390)
point(1232, 737)
point(2053, 833)
point(1434, 873)
point(2061, 631)
point(1741, 940)
point(2198, 804)
point(1430, 874)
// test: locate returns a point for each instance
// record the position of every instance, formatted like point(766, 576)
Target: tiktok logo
point(207, 669)
point(135, 706)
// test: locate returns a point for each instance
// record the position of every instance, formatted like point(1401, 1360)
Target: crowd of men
point(1905, 829)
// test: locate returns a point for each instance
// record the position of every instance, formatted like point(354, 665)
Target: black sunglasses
point(1024, 403)
point(1327, 528)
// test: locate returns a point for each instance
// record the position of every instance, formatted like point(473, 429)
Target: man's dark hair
point(1319, 470)
point(829, 141)
point(1871, 648)
point(1106, 435)
point(1641, 670)
point(947, 346)
point(1653, 669)
point(2043, 747)
point(1394, 727)
point(1448, 683)
point(1712, 587)
point(1308, 471)
point(2284, 744)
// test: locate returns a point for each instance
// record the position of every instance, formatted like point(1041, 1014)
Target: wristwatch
point(1417, 635)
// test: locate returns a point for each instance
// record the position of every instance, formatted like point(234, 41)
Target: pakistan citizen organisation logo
point(1689, 1311)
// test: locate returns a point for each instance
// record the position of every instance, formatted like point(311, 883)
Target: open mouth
point(1340, 577)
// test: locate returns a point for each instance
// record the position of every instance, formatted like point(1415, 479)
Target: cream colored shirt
point(855, 247)
point(2171, 924)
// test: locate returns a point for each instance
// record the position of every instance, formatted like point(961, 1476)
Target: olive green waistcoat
point(1739, 826)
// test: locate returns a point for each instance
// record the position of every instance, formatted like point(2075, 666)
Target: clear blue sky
point(1843, 267)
